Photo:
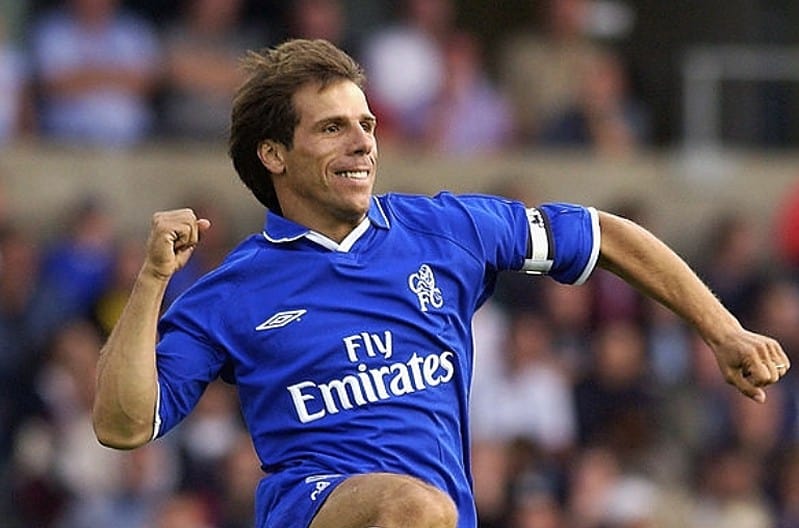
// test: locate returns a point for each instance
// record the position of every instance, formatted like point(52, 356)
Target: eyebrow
point(339, 119)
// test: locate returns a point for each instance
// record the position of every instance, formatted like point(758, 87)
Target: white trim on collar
point(345, 244)
point(382, 212)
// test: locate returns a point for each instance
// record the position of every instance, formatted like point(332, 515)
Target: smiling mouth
point(353, 174)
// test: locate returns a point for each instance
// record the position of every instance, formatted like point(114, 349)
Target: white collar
point(345, 245)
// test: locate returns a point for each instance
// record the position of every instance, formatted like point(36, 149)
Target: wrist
point(150, 273)
point(716, 334)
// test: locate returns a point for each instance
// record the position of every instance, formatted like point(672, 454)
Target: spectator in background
point(603, 117)
point(79, 262)
point(406, 64)
point(16, 113)
point(569, 313)
point(763, 430)
point(697, 408)
point(633, 503)
point(733, 261)
point(114, 296)
point(603, 492)
point(537, 506)
point(592, 476)
point(489, 454)
point(729, 490)
point(668, 344)
point(615, 402)
point(519, 394)
point(530, 396)
point(207, 437)
point(201, 70)
point(86, 484)
point(320, 19)
point(241, 472)
point(541, 70)
point(30, 311)
point(468, 116)
point(775, 307)
point(96, 66)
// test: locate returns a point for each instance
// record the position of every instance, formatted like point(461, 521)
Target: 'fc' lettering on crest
point(423, 284)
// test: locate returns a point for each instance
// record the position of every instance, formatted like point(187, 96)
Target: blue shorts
point(290, 499)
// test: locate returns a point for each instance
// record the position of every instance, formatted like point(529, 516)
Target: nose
point(362, 141)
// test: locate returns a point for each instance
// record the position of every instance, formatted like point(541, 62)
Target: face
point(325, 180)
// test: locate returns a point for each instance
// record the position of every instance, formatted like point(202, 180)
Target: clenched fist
point(173, 237)
point(750, 361)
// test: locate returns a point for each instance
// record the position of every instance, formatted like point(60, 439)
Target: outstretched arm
point(747, 360)
point(125, 402)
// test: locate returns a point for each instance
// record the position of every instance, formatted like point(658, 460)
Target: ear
point(271, 155)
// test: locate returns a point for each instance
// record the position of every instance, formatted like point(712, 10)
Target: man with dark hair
point(346, 323)
point(264, 106)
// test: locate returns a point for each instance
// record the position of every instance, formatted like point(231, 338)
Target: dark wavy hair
point(263, 108)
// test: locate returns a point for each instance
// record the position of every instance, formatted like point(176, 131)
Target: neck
point(334, 223)
point(336, 230)
point(340, 231)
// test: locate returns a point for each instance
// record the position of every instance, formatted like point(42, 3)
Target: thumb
point(203, 225)
point(746, 387)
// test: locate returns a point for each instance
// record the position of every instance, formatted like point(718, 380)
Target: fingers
point(748, 389)
point(781, 361)
point(173, 236)
point(767, 363)
point(762, 362)
point(181, 227)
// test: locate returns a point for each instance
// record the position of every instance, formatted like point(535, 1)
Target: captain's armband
point(540, 251)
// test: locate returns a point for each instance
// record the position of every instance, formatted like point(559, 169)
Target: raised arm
point(125, 402)
point(747, 360)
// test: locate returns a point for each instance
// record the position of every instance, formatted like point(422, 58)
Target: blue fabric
point(358, 361)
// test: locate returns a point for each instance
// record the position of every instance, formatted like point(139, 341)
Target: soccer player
point(346, 323)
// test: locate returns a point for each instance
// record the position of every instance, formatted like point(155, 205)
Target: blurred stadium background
point(683, 115)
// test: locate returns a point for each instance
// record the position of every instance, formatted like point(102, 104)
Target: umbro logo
point(281, 319)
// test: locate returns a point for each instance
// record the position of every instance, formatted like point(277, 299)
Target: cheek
point(304, 166)
point(315, 159)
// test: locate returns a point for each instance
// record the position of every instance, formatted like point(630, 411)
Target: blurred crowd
point(592, 406)
point(111, 73)
point(596, 407)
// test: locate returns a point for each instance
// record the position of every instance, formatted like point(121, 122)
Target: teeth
point(355, 175)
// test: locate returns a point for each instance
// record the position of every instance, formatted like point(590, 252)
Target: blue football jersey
point(357, 357)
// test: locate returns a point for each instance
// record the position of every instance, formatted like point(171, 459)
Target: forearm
point(124, 408)
point(645, 262)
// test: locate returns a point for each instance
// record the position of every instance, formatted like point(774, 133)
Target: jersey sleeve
point(563, 242)
point(187, 356)
point(556, 239)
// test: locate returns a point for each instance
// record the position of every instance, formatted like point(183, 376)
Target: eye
point(368, 126)
point(331, 128)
